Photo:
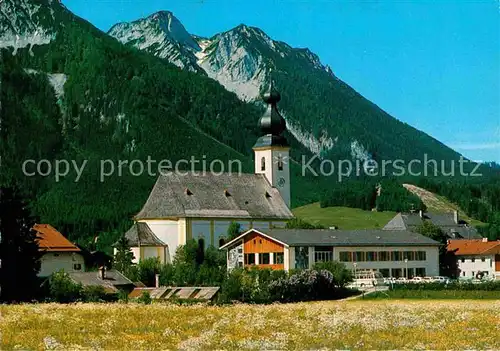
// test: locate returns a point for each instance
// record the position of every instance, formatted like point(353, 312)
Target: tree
point(298, 223)
point(447, 260)
point(123, 256)
point(234, 230)
point(19, 255)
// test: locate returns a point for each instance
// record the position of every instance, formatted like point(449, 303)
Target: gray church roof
point(327, 237)
point(141, 235)
point(112, 281)
point(209, 195)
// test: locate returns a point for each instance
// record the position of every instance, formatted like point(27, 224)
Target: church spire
point(272, 123)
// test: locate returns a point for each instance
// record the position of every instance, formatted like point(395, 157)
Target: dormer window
point(188, 192)
point(226, 193)
point(263, 164)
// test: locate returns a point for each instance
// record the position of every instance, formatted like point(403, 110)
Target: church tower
point(272, 152)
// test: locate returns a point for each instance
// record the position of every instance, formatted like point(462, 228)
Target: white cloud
point(476, 146)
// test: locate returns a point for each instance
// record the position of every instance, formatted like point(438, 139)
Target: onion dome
point(272, 123)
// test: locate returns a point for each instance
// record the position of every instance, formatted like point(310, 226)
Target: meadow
point(355, 324)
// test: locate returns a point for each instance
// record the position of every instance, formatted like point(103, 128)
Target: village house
point(201, 206)
point(111, 280)
point(58, 253)
point(450, 224)
point(478, 258)
point(392, 253)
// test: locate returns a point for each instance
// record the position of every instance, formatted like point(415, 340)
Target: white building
point(476, 258)
point(58, 253)
point(202, 205)
point(393, 253)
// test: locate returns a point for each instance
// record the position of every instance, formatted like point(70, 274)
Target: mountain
point(70, 92)
point(323, 113)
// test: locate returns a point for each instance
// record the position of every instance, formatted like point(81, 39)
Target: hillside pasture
point(357, 324)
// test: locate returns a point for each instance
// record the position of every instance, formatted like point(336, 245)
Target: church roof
point(141, 235)
point(211, 195)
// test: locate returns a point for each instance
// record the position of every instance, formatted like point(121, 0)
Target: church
point(201, 206)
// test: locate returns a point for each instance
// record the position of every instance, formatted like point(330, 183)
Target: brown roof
point(474, 247)
point(209, 195)
point(49, 239)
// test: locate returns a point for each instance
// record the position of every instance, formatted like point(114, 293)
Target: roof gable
point(474, 247)
point(140, 234)
point(49, 239)
point(248, 232)
point(209, 195)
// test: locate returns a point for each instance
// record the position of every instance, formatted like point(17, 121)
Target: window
point(386, 272)
point(279, 258)
point(222, 241)
point(463, 274)
point(409, 255)
point(301, 257)
point(473, 260)
point(249, 259)
point(383, 256)
point(397, 272)
point(397, 256)
point(463, 260)
point(483, 259)
point(323, 253)
point(264, 258)
point(201, 244)
point(359, 256)
point(345, 256)
point(472, 273)
point(263, 164)
point(371, 256)
point(280, 163)
point(420, 272)
point(77, 266)
point(420, 256)
point(56, 255)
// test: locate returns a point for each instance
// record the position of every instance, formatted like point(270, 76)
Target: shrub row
point(459, 286)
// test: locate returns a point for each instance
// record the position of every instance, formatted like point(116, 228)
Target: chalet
point(58, 253)
point(477, 258)
point(450, 224)
point(201, 206)
point(392, 253)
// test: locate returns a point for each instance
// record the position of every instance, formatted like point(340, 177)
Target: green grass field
point(329, 325)
point(343, 217)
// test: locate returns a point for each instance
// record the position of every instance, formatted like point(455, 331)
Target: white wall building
point(202, 205)
point(392, 253)
point(58, 252)
point(476, 258)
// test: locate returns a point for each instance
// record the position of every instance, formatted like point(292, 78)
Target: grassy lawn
point(343, 217)
point(423, 324)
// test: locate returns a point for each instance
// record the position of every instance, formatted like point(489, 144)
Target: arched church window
point(280, 163)
point(222, 242)
point(263, 164)
point(201, 244)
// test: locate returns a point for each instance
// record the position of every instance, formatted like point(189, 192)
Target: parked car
point(440, 279)
point(401, 280)
point(417, 280)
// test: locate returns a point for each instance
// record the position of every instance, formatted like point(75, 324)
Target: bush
point(304, 285)
point(341, 275)
point(63, 289)
point(94, 293)
point(145, 298)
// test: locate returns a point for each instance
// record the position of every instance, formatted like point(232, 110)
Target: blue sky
point(432, 64)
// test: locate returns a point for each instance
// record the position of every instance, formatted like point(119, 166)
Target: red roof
point(49, 239)
point(474, 247)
